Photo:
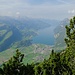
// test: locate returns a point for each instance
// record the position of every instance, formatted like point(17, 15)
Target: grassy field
point(2, 32)
point(33, 53)
point(6, 37)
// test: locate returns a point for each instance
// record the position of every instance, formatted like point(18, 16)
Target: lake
point(45, 36)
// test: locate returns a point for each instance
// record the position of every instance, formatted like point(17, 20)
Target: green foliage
point(70, 42)
point(14, 65)
point(70, 31)
point(69, 53)
point(9, 34)
point(53, 66)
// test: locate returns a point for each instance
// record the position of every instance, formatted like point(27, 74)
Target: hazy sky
point(52, 9)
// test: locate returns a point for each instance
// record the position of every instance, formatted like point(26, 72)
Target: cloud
point(38, 8)
point(17, 13)
point(38, 2)
point(71, 11)
point(62, 1)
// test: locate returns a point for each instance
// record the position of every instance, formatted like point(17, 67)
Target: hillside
point(33, 53)
point(18, 31)
point(60, 34)
point(8, 35)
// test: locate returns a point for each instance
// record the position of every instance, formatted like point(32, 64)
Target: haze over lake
point(45, 36)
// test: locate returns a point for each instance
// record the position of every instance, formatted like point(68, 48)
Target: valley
point(18, 33)
point(37, 37)
point(28, 34)
point(34, 37)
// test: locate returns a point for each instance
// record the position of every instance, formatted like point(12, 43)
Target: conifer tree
point(14, 66)
point(70, 41)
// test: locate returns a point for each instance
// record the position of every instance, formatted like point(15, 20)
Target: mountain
point(8, 35)
point(18, 30)
point(17, 33)
point(51, 22)
point(60, 34)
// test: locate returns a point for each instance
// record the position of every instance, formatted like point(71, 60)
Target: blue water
point(45, 36)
